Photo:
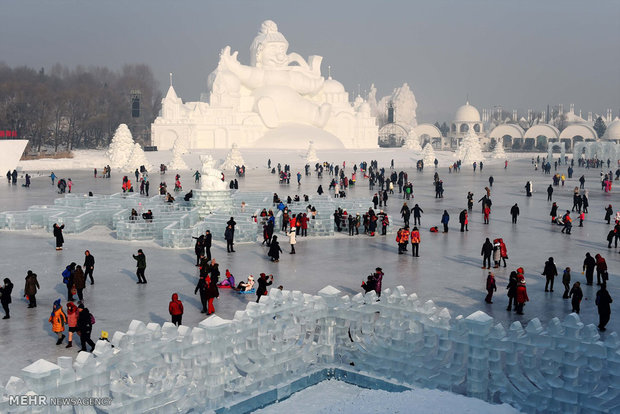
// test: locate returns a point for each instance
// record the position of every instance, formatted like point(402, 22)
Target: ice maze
point(174, 224)
point(293, 340)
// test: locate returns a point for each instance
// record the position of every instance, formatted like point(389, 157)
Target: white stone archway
point(512, 130)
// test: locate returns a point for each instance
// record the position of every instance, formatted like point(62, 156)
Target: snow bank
point(338, 397)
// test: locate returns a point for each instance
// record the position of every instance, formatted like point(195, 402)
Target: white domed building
point(466, 119)
point(612, 133)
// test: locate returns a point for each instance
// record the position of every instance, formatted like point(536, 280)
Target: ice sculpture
point(412, 142)
point(275, 90)
point(470, 150)
point(121, 147)
point(428, 155)
point(177, 162)
point(290, 340)
point(137, 159)
point(233, 158)
point(311, 157)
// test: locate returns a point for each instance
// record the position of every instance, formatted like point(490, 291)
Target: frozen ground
point(319, 399)
point(448, 270)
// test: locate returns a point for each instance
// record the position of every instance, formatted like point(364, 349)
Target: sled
point(224, 286)
point(246, 292)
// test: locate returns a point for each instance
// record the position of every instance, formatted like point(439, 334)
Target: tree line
point(76, 108)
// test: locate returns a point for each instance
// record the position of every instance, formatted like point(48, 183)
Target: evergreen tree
point(600, 127)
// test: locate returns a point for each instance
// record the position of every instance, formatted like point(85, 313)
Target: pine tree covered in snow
point(470, 150)
point(121, 147)
point(137, 159)
point(177, 162)
point(233, 159)
point(499, 152)
point(428, 155)
point(412, 142)
point(311, 157)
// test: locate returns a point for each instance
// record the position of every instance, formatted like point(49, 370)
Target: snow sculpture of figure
point(211, 178)
point(311, 157)
point(177, 162)
point(412, 142)
point(281, 92)
point(233, 158)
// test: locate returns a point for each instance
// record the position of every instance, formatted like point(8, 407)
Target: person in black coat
point(603, 302)
point(207, 244)
point(274, 249)
point(416, 214)
point(576, 294)
point(514, 212)
point(550, 272)
point(89, 266)
point(5, 296)
point(85, 327)
point(58, 235)
point(228, 235)
point(486, 252)
point(199, 247)
point(512, 290)
point(202, 287)
point(554, 212)
point(262, 285)
point(589, 264)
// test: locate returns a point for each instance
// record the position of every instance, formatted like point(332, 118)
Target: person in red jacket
point(304, 225)
point(521, 292)
point(601, 269)
point(176, 309)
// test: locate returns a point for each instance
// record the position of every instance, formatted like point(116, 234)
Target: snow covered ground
point(447, 271)
point(337, 397)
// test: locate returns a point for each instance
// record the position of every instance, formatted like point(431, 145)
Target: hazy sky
point(519, 54)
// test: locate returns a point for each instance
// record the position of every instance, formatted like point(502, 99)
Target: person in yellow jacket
point(58, 320)
point(415, 242)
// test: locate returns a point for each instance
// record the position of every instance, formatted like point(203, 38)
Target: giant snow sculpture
point(251, 104)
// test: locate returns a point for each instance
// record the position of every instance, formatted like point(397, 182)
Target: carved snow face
point(273, 54)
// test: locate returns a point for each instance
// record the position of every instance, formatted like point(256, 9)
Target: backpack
point(66, 274)
point(92, 319)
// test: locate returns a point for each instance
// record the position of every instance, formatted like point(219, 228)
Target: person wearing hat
point(85, 327)
point(141, 266)
point(30, 290)
point(262, 285)
point(521, 294)
point(175, 308)
point(246, 286)
point(58, 320)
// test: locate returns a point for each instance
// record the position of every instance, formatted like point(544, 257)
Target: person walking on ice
point(491, 287)
point(141, 266)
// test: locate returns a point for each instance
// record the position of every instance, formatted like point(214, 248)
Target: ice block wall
point(563, 367)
